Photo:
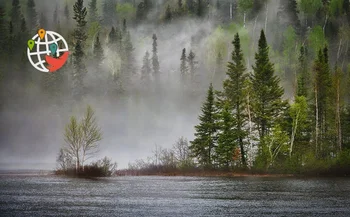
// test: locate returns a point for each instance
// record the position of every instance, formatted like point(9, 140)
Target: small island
point(81, 143)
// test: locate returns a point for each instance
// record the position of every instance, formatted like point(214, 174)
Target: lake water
point(30, 195)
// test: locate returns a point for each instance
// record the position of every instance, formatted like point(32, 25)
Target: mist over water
point(31, 125)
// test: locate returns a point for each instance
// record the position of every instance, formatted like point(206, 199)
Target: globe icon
point(47, 51)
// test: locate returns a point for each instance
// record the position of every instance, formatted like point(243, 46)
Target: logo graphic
point(47, 51)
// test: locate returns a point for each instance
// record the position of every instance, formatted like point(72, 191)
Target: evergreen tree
point(192, 64)
point(32, 16)
point(226, 137)
point(128, 60)
point(202, 147)
point(303, 75)
point(112, 37)
point(16, 15)
point(98, 51)
point(266, 96)
point(92, 12)
point(234, 92)
point(183, 66)
point(78, 54)
point(146, 68)
point(219, 75)
point(324, 120)
point(155, 62)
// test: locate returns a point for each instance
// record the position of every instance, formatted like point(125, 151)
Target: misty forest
point(178, 85)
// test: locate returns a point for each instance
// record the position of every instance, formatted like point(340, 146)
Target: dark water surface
point(29, 195)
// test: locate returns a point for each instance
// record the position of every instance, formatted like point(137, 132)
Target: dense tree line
point(250, 115)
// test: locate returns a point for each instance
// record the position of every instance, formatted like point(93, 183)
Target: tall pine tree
point(78, 54)
point(183, 65)
point(266, 96)
point(203, 146)
point(234, 92)
point(155, 61)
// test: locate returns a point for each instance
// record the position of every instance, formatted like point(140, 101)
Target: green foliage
point(245, 5)
point(80, 70)
point(168, 14)
point(336, 7)
point(266, 96)
point(202, 147)
point(310, 7)
point(226, 138)
point(316, 39)
point(126, 11)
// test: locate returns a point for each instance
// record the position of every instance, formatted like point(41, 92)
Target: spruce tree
point(234, 92)
point(78, 54)
point(202, 147)
point(266, 96)
point(32, 16)
point(146, 67)
point(192, 64)
point(183, 66)
point(155, 62)
point(324, 119)
point(302, 75)
point(128, 60)
point(219, 74)
point(112, 37)
point(98, 51)
point(226, 138)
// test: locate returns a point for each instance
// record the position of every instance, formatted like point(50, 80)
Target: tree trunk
point(293, 134)
point(250, 124)
point(325, 23)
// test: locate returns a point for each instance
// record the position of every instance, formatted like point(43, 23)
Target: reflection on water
point(173, 196)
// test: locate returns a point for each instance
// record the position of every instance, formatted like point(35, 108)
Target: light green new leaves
point(317, 39)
